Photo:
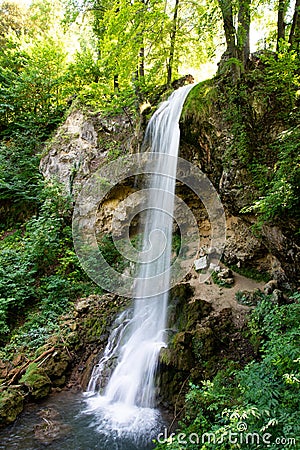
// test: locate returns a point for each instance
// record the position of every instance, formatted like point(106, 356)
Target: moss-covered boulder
point(11, 405)
point(36, 381)
point(57, 366)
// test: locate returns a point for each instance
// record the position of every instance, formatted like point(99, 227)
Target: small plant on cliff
point(281, 192)
point(219, 281)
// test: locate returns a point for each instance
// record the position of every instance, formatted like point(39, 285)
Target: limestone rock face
point(82, 144)
point(210, 141)
point(241, 244)
point(85, 142)
point(285, 250)
point(71, 151)
point(236, 188)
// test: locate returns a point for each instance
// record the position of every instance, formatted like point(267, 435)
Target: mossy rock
point(11, 405)
point(195, 311)
point(37, 381)
point(56, 366)
point(73, 340)
point(179, 355)
point(94, 327)
point(165, 356)
point(203, 343)
point(190, 313)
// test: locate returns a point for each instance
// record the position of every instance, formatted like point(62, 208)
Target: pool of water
point(66, 421)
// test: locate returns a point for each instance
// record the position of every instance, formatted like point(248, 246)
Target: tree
point(243, 31)
point(237, 38)
point(13, 18)
point(282, 7)
point(31, 82)
point(294, 37)
point(172, 42)
point(229, 29)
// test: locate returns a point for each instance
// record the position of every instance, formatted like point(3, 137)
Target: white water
point(129, 396)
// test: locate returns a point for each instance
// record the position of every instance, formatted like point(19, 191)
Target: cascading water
point(127, 401)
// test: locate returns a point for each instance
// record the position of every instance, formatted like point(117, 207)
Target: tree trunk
point(294, 38)
point(243, 33)
point(226, 9)
point(139, 78)
point(142, 63)
point(116, 83)
point(172, 44)
point(280, 22)
point(230, 35)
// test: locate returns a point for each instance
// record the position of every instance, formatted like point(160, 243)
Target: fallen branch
point(65, 346)
point(24, 367)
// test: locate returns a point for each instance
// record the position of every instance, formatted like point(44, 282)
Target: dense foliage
point(39, 272)
point(255, 406)
point(267, 96)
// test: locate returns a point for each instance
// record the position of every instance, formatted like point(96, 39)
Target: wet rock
point(11, 405)
point(203, 342)
point(56, 367)
point(51, 427)
point(36, 381)
point(180, 356)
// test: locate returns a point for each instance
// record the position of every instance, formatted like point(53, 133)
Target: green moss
point(251, 272)
point(95, 327)
point(11, 405)
point(165, 356)
point(200, 101)
point(37, 381)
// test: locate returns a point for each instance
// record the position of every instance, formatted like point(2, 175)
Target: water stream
point(126, 405)
point(58, 423)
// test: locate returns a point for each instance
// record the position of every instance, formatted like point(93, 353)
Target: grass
point(200, 101)
point(250, 272)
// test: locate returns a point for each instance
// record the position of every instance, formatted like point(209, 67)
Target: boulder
point(11, 405)
point(201, 263)
point(270, 286)
point(36, 381)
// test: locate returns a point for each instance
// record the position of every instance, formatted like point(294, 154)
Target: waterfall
point(136, 344)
